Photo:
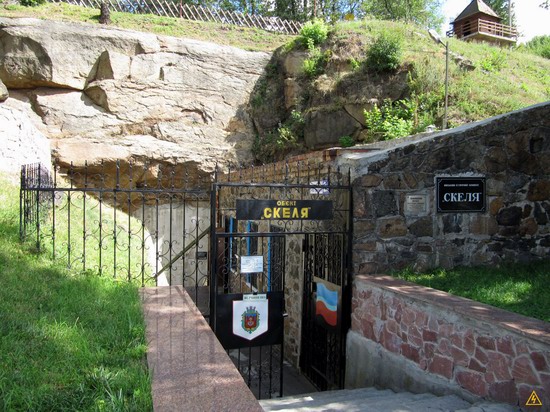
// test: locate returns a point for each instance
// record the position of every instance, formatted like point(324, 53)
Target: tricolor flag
point(326, 305)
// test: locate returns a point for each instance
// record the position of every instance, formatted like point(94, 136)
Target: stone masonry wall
point(409, 337)
point(511, 151)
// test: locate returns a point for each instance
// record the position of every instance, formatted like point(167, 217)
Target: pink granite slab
point(190, 369)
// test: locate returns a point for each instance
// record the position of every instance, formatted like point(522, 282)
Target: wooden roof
point(476, 6)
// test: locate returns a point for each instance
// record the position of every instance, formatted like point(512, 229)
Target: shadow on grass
point(523, 289)
point(67, 341)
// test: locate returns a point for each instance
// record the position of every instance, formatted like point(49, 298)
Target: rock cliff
point(107, 94)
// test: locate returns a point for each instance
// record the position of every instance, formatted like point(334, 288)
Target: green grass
point(68, 341)
point(242, 37)
point(523, 289)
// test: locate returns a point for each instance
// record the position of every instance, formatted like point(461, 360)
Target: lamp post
point(437, 39)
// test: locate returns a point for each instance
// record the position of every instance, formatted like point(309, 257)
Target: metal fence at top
point(198, 13)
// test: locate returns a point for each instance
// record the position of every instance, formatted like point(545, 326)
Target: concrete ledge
point(190, 369)
point(528, 327)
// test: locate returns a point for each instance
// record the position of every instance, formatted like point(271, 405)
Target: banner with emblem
point(250, 316)
point(244, 320)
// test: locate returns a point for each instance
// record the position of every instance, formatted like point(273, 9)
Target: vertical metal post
point(213, 251)
point(446, 84)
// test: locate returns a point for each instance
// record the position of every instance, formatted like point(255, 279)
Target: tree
point(424, 12)
point(501, 8)
point(545, 4)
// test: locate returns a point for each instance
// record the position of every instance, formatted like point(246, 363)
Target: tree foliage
point(424, 12)
point(539, 45)
point(545, 4)
point(501, 8)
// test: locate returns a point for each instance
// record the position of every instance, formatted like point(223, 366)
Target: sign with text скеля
point(460, 194)
point(284, 209)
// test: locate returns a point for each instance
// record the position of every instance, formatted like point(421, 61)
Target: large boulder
point(20, 142)
point(97, 87)
point(4, 94)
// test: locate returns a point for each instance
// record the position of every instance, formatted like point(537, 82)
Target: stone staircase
point(375, 400)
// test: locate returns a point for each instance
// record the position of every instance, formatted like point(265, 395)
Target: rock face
point(20, 141)
point(4, 94)
point(130, 95)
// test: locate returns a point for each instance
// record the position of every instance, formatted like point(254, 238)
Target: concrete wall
point(511, 151)
point(177, 225)
point(408, 337)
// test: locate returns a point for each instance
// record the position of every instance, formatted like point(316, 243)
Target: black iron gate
point(270, 226)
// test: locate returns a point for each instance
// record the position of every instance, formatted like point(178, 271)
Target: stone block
point(441, 366)
point(384, 203)
point(504, 392)
point(476, 366)
point(422, 227)
point(370, 180)
point(506, 346)
point(429, 336)
point(460, 357)
point(452, 223)
point(523, 371)
point(528, 227)
point(539, 362)
point(392, 227)
point(410, 352)
point(486, 342)
point(539, 191)
point(496, 160)
point(472, 382)
point(510, 216)
point(499, 365)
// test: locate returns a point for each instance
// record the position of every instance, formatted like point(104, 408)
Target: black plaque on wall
point(460, 194)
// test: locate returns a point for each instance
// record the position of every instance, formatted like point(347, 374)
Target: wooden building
point(478, 22)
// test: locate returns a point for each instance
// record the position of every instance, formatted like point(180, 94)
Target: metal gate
point(271, 227)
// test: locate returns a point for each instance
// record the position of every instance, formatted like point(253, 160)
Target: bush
point(313, 33)
point(385, 54)
point(347, 141)
point(494, 62)
point(390, 121)
point(32, 3)
point(315, 64)
point(275, 144)
point(539, 45)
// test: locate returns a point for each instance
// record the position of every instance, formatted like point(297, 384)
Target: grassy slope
point(517, 288)
point(67, 341)
point(523, 79)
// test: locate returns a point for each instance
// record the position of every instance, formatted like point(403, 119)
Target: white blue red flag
point(326, 305)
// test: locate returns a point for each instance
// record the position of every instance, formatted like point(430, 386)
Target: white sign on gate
point(250, 316)
point(252, 264)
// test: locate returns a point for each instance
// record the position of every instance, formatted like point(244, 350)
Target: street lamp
point(437, 39)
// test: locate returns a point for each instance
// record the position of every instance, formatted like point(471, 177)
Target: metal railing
point(480, 26)
point(133, 222)
point(198, 13)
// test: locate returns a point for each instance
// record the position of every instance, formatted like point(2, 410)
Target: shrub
point(385, 54)
point(313, 32)
point(315, 64)
point(539, 45)
point(32, 3)
point(347, 141)
point(390, 121)
point(494, 62)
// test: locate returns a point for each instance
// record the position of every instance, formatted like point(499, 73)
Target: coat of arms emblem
point(250, 319)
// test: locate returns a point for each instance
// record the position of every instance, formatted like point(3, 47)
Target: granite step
point(375, 400)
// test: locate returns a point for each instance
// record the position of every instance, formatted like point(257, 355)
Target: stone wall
point(408, 337)
point(511, 151)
